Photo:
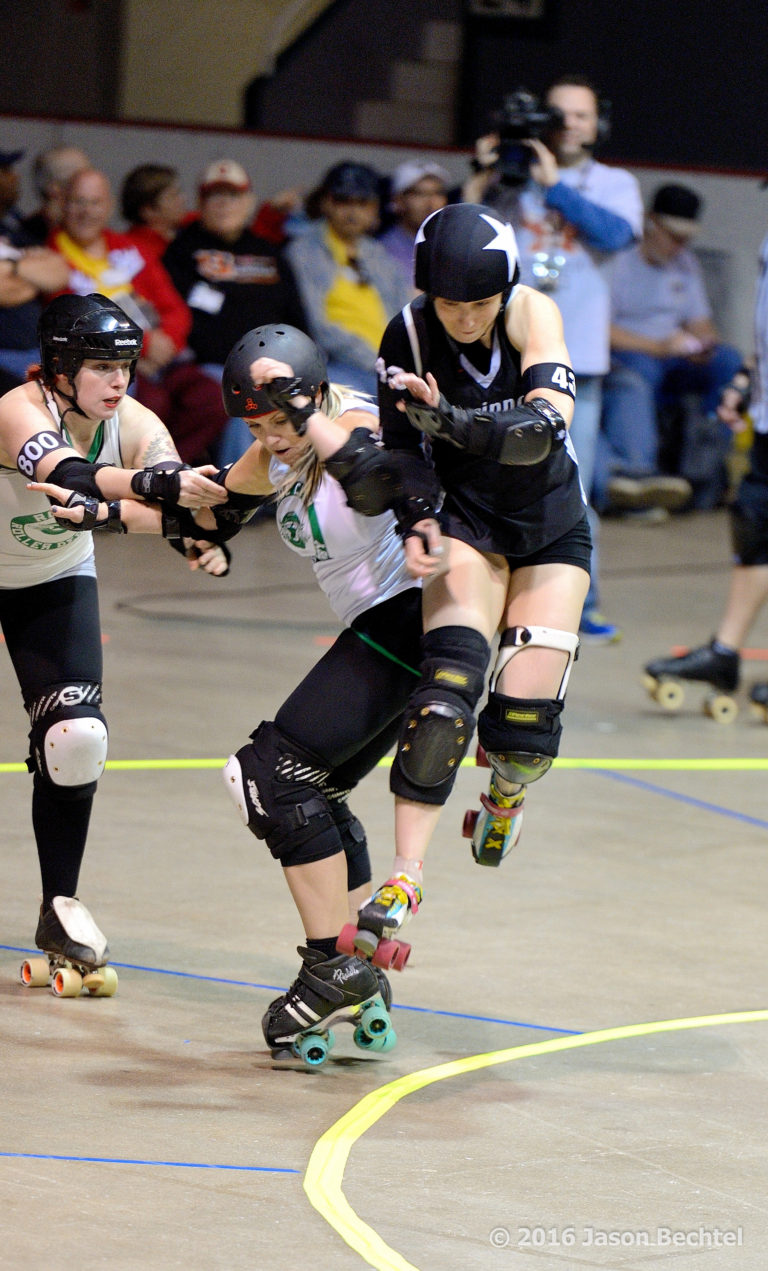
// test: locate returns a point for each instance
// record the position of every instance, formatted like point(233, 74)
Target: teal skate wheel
point(312, 1049)
point(375, 1020)
point(378, 1044)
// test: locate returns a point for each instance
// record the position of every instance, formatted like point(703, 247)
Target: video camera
point(521, 117)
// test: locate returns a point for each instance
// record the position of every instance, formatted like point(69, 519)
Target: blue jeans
point(636, 387)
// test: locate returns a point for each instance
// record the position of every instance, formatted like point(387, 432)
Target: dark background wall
point(687, 80)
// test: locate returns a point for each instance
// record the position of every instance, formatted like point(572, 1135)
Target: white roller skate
point(328, 991)
point(378, 922)
point(76, 952)
point(495, 829)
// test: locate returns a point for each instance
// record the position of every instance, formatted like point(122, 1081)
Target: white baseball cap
point(224, 174)
point(410, 173)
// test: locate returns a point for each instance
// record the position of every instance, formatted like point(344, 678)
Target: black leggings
point(53, 635)
point(347, 709)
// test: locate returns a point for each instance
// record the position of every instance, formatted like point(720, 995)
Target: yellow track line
point(325, 1171)
point(623, 765)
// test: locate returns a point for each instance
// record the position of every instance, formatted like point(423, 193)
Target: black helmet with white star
point(464, 252)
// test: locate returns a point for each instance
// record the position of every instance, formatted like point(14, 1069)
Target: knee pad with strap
point(277, 789)
point(68, 738)
point(521, 736)
point(439, 719)
point(354, 843)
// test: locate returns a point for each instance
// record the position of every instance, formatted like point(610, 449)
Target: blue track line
point(123, 1160)
point(681, 798)
point(278, 988)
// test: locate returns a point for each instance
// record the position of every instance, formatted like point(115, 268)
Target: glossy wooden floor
point(152, 1130)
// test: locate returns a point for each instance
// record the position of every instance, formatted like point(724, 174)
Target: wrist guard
point(281, 393)
point(180, 525)
point(522, 436)
point(161, 483)
point(741, 384)
point(112, 522)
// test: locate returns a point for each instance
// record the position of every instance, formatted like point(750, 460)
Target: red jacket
point(131, 273)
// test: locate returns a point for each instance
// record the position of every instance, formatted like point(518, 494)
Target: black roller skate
point(378, 922)
point(328, 991)
point(758, 698)
point(711, 664)
point(76, 952)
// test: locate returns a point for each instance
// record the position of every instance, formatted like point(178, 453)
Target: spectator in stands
point(231, 279)
point(153, 205)
point(416, 191)
point(27, 272)
point(573, 215)
point(665, 348)
point(101, 260)
point(51, 171)
point(349, 283)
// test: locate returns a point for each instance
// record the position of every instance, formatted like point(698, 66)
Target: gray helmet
point(465, 252)
point(72, 328)
point(283, 343)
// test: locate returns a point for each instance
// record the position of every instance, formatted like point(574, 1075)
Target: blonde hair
point(307, 469)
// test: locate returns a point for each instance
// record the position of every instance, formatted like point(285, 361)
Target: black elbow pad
point(78, 475)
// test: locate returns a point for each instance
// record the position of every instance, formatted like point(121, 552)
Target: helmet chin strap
point(72, 399)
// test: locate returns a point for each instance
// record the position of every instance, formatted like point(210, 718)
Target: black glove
point(281, 393)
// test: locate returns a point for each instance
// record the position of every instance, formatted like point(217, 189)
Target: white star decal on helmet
point(504, 241)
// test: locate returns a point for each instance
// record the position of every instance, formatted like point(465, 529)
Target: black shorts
point(749, 520)
point(574, 547)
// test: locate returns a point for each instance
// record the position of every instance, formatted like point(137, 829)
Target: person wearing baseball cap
point(417, 189)
point(668, 368)
point(224, 174)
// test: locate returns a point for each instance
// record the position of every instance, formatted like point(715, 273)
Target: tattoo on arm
point(157, 447)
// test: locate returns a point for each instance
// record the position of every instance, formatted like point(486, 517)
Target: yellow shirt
point(354, 305)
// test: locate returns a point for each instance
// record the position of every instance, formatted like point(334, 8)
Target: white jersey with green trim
point(34, 546)
point(358, 560)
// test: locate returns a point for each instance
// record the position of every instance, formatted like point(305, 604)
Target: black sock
point(327, 946)
point(61, 829)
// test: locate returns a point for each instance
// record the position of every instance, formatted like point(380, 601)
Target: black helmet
point(464, 252)
point(73, 328)
point(283, 343)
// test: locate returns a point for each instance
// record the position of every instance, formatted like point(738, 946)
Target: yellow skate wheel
point(669, 694)
point(758, 711)
point(101, 983)
point(66, 982)
point(650, 684)
point(720, 707)
point(35, 972)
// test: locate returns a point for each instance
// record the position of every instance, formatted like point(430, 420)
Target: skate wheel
point(384, 954)
point(35, 972)
point(312, 1049)
point(346, 940)
point(375, 1021)
point(470, 821)
point(650, 684)
point(401, 956)
point(481, 759)
point(66, 982)
point(721, 708)
point(669, 694)
point(101, 983)
point(758, 711)
point(378, 1043)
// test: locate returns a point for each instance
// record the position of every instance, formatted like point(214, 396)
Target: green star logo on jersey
point(40, 531)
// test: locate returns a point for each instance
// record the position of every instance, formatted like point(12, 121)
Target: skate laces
point(499, 804)
point(400, 892)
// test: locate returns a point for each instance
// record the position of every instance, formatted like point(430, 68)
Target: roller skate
point(297, 1025)
point(494, 830)
point(758, 700)
point(76, 952)
point(711, 664)
point(378, 922)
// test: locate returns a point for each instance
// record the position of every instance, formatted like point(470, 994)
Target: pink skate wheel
point(470, 821)
point(346, 940)
point(402, 955)
point(385, 954)
point(481, 759)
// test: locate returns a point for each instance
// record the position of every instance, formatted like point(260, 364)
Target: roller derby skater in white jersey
point(291, 782)
point(72, 433)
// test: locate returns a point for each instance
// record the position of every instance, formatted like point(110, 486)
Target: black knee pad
point(68, 739)
point(354, 843)
point(520, 736)
point(439, 719)
point(277, 790)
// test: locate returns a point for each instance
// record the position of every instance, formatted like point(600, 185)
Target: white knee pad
point(232, 774)
point(75, 750)
point(517, 638)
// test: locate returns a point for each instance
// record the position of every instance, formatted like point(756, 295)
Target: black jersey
point(496, 507)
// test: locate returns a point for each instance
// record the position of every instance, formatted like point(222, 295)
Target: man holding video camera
point(571, 215)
